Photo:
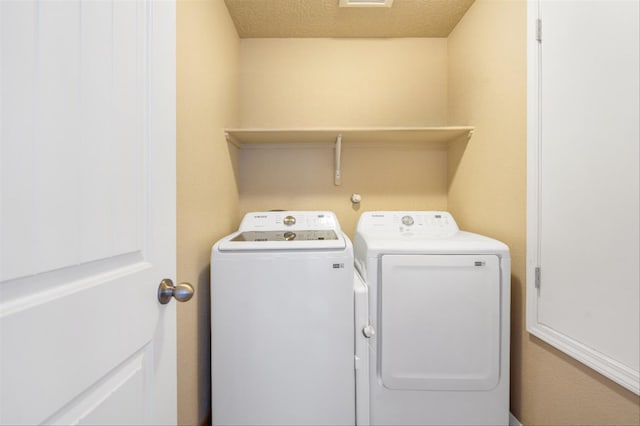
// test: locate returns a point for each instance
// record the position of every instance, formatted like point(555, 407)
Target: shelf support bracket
point(337, 178)
point(233, 141)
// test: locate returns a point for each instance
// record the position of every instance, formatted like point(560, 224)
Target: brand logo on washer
point(338, 266)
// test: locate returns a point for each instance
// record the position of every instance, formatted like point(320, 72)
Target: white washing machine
point(438, 331)
point(282, 311)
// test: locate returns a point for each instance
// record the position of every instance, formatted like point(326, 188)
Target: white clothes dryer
point(282, 311)
point(438, 330)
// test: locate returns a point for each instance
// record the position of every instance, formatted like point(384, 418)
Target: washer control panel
point(286, 230)
point(292, 221)
point(409, 223)
point(306, 235)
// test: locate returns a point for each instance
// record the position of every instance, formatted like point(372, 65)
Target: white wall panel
point(584, 184)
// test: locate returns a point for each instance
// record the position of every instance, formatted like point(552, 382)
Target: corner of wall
point(486, 177)
point(207, 184)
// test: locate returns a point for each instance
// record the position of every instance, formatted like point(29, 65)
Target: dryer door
point(439, 322)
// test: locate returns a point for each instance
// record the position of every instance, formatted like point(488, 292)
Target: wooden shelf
point(365, 135)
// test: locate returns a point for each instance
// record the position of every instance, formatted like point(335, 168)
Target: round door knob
point(181, 292)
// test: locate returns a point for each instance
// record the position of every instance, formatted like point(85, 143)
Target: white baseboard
point(513, 421)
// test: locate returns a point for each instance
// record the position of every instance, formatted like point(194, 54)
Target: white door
point(87, 212)
point(583, 239)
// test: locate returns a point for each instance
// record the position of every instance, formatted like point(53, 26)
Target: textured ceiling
point(323, 18)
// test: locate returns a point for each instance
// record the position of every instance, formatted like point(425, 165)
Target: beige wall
point(351, 83)
point(487, 88)
point(343, 82)
point(207, 194)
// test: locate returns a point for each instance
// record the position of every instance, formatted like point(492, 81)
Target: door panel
point(589, 250)
point(70, 339)
point(72, 151)
point(88, 212)
point(583, 179)
point(440, 322)
point(111, 401)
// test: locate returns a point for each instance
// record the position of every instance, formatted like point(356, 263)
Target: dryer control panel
point(409, 223)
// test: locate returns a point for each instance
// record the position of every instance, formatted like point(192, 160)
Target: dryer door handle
point(368, 331)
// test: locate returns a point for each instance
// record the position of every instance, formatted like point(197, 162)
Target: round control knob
point(289, 235)
point(289, 220)
point(368, 331)
point(407, 220)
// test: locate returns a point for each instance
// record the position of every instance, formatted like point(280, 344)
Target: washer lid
point(286, 230)
point(283, 240)
point(302, 235)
